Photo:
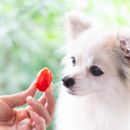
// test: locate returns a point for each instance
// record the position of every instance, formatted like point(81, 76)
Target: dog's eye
point(96, 71)
point(73, 60)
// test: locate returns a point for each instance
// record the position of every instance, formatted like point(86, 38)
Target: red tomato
point(44, 79)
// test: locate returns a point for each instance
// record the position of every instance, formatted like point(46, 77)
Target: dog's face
point(97, 60)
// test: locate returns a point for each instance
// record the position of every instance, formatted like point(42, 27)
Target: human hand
point(43, 109)
point(30, 117)
point(11, 118)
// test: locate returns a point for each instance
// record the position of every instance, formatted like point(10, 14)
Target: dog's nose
point(68, 81)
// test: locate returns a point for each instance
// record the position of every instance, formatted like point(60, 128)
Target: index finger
point(50, 100)
point(19, 98)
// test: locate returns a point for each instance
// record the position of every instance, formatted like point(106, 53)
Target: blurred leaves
point(29, 38)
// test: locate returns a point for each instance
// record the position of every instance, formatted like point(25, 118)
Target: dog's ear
point(76, 24)
point(125, 46)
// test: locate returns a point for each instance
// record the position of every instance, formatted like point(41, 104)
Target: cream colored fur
point(96, 103)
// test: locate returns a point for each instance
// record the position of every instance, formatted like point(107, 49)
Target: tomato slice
point(44, 79)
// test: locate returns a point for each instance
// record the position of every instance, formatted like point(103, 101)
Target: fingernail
point(30, 98)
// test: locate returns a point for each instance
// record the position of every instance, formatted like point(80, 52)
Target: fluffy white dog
point(96, 86)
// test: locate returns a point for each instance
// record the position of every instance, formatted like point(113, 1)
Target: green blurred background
point(32, 33)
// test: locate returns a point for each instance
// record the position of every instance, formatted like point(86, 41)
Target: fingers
point(24, 124)
point(44, 106)
point(50, 100)
point(40, 109)
point(21, 114)
point(7, 114)
point(42, 100)
point(39, 121)
point(19, 98)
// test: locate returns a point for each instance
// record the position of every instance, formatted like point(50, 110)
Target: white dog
point(96, 87)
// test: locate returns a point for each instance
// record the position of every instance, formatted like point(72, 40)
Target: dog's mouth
point(75, 93)
point(71, 92)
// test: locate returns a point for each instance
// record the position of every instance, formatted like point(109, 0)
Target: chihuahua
point(95, 94)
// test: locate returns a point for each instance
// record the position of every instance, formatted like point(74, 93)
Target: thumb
point(19, 98)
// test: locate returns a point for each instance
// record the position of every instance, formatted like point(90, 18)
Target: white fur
point(92, 112)
point(98, 103)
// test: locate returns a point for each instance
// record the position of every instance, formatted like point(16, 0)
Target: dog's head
point(97, 59)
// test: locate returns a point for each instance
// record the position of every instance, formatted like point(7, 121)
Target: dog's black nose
point(68, 82)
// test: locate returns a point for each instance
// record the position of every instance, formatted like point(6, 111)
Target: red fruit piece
point(44, 79)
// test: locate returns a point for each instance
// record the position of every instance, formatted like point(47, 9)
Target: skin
point(36, 116)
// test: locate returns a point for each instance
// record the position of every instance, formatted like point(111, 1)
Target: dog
point(95, 94)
